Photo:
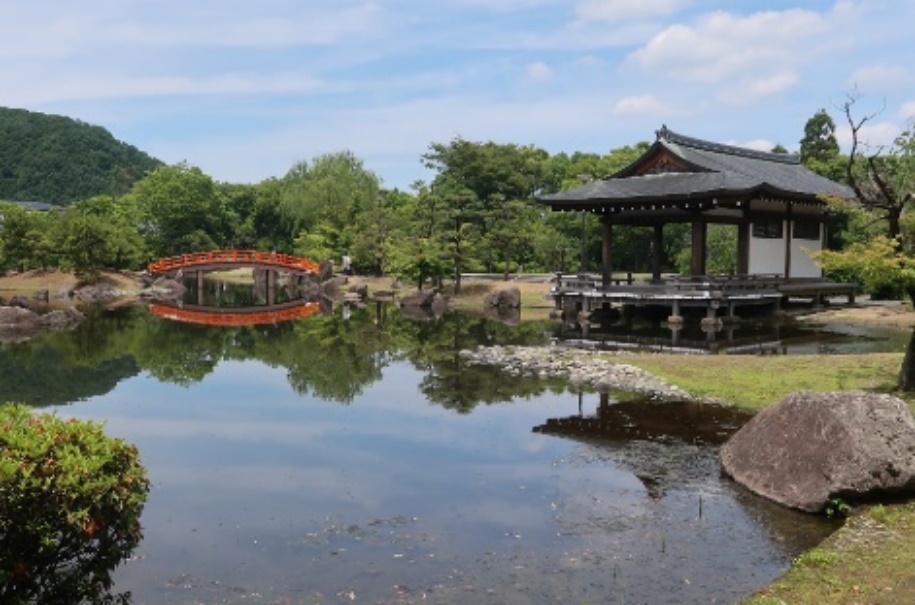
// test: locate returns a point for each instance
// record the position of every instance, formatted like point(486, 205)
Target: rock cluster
point(580, 367)
point(812, 447)
point(19, 324)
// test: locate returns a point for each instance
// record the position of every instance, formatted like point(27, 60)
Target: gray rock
point(332, 287)
point(418, 298)
point(164, 289)
point(96, 293)
point(503, 298)
point(22, 302)
point(18, 324)
point(326, 271)
point(62, 319)
point(440, 304)
point(812, 447)
point(41, 295)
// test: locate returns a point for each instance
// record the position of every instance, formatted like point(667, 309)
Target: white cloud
point(871, 137)
point(722, 45)
point(907, 111)
point(539, 71)
point(625, 10)
point(99, 86)
point(757, 144)
point(753, 89)
point(644, 105)
point(879, 77)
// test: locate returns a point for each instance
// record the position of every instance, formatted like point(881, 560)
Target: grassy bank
point(753, 382)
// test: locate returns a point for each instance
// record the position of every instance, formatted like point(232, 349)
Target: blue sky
point(244, 89)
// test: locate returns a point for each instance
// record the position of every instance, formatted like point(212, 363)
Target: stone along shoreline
point(582, 368)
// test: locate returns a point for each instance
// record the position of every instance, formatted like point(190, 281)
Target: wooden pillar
point(606, 251)
point(743, 248)
point(271, 287)
point(788, 230)
point(200, 287)
point(699, 231)
point(657, 246)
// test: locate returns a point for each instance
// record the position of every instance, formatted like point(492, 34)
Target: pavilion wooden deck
point(584, 293)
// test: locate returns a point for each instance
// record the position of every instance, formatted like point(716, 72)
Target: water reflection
point(428, 486)
point(777, 336)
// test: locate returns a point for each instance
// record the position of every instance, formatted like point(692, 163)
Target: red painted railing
point(233, 257)
point(207, 318)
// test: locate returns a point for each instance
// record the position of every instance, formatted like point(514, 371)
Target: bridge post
point(271, 287)
point(199, 287)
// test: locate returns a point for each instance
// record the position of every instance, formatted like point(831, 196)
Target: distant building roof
point(42, 206)
point(677, 167)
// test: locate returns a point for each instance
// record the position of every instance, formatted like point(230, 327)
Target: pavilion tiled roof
point(714, 170)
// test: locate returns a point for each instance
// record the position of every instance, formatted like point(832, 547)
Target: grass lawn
point(753, 382)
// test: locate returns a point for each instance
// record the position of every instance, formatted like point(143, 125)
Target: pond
point(332, 460)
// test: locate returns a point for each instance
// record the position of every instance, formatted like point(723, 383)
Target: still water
point(325, 460)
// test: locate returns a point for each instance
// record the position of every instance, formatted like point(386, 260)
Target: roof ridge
point(672, 137)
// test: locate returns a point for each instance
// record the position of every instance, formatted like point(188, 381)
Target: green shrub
point(70, 505)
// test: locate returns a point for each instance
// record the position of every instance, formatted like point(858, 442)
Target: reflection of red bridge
point(229, 259)
point(234, 317)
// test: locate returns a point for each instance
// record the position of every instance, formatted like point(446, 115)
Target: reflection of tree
point(181, 354)
point(41, 375)
point(335, 359)
point(328, 356)
point(454, 384)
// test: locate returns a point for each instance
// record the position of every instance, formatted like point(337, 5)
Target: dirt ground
point(25, 284)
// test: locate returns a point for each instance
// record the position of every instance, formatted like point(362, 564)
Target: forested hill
point(60, 160)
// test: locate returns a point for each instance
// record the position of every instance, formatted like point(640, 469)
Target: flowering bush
point(70, 505)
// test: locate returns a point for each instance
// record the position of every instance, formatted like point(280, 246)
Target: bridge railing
point(233, 257)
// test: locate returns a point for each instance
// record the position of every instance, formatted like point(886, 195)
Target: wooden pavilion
point(776, 204)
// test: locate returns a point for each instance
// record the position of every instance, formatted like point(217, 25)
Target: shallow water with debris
point(334, 461)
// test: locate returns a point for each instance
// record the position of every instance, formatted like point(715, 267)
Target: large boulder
point(62, 319)
point(418, 298)
point(503, 298)
point(164, 289)
point(17, 324)
point(812, 447)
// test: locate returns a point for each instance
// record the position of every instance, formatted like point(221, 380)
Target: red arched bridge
point(230, 259)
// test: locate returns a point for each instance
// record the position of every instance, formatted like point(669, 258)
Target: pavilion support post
point(606, 252)
point(743, 248)
point(698, 244)
point(788, 238)
point(657, 247)
point(200, 288)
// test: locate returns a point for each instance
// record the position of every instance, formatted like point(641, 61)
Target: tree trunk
point(907, 371)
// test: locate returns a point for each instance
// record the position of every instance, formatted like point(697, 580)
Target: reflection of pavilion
point(687, 422)
point(663, 444)
point(766, 337)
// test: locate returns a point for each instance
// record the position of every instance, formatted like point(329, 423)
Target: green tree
point(24, 241)
point(332, 191)
point(819, 142)
point(181, 210)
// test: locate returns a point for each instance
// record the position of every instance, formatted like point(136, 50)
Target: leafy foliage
point(877, 265)
point(70, 505)
point(60, 160)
